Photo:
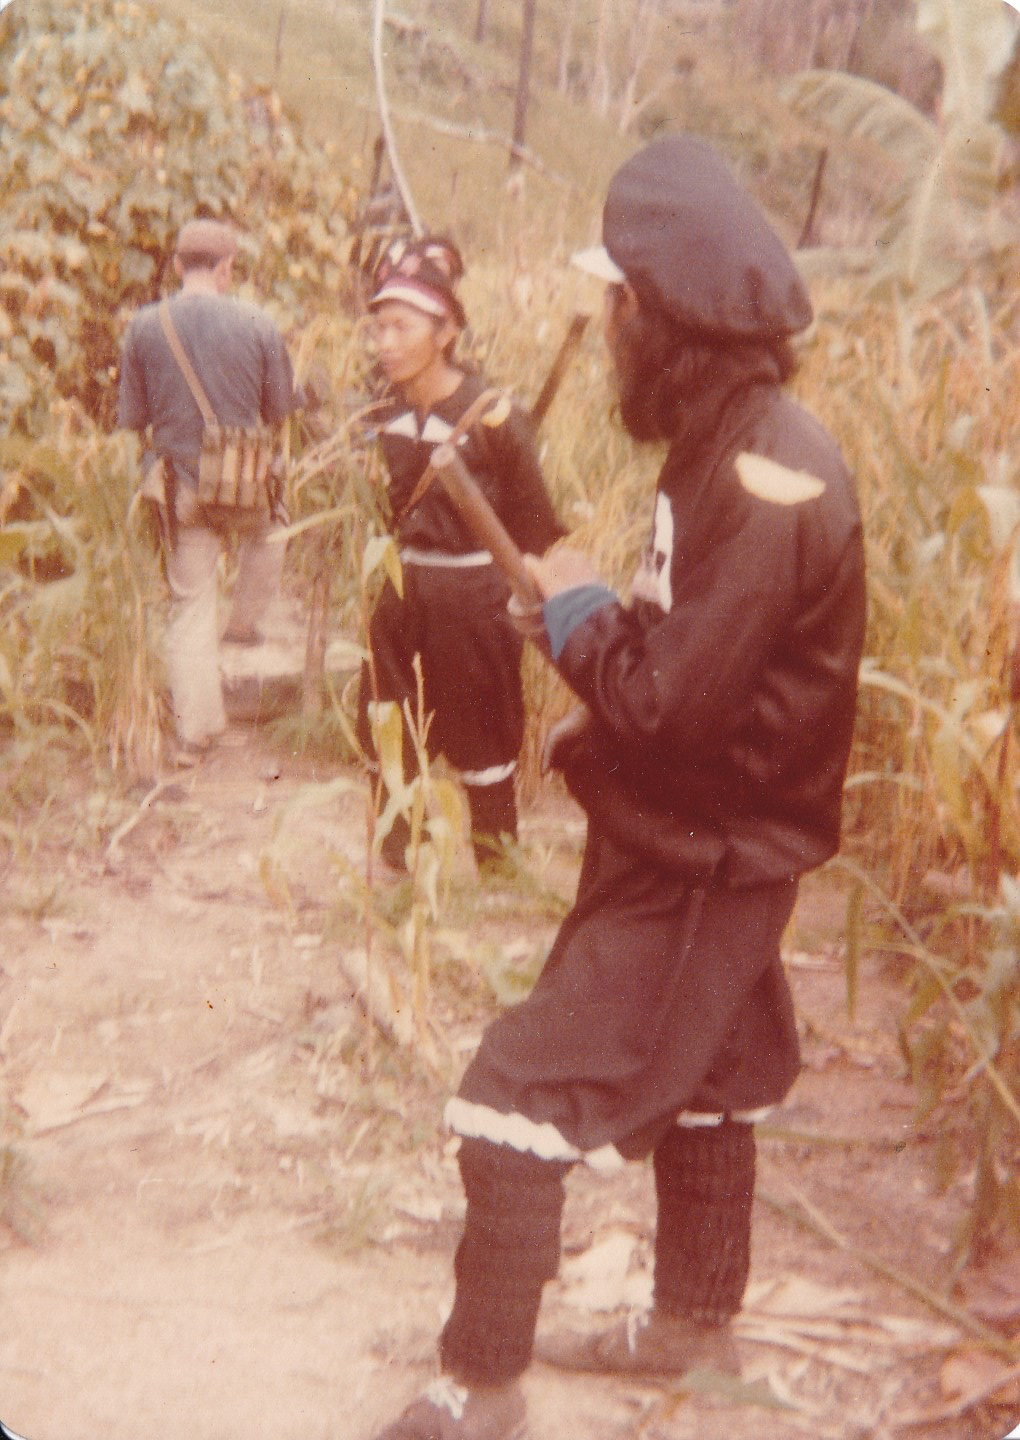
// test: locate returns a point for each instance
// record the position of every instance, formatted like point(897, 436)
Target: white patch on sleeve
point(494, 775)
point(768, 480)
point(653, 580)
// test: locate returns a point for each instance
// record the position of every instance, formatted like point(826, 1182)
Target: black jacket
point(502, 459)
point(723, 709)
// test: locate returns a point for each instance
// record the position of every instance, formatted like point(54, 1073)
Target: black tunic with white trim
point(453, 610)
point(722, 705)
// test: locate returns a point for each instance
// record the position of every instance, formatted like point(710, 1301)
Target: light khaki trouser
point(192, 633)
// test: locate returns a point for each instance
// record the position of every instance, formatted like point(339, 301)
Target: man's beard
point(653, 382)
point(637, 409)
point(671, 382)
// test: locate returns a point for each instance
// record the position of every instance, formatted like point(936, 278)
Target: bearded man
point(709, 757)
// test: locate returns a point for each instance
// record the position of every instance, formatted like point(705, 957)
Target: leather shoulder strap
point(187, 369)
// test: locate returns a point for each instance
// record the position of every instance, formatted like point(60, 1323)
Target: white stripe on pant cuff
point(706, 1119)
point(481, 1122)
point(493, 776)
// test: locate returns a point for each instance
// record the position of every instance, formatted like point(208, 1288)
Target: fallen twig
point(125, 829)
point(480, 136)
point(833, 1353)
point(959, 1407)
point(812, 1217)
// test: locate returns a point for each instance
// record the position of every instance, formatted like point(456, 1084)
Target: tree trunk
point(523, 83)
point(600, 71)
point(566, 54)
point(278, 53)
point(640, 38)
point(378, 17)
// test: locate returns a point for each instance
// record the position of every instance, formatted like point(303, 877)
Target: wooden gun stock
point(484, 524)
point(490, 532)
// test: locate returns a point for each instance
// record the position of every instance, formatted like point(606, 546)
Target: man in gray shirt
point(241, 362)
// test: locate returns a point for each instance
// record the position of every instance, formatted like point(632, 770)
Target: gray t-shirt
point(239, 356)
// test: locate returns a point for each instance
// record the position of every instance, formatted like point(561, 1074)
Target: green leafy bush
point(116, 126)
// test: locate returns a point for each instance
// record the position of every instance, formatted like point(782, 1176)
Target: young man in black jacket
point(452, 609)
point(709, 757)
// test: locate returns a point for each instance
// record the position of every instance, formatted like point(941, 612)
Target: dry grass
point(921, 403)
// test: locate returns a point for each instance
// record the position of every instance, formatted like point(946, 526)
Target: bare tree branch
point(481, 136)
point(523, 82)
point(384, 118)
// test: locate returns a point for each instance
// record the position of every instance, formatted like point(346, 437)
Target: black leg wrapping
point(704, 1182)
point(493, 814)
point(509, 1249)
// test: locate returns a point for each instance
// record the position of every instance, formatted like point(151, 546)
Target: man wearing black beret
point(709, 755)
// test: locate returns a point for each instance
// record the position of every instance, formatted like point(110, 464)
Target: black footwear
point(448, 1411)
point(648, 1345)
point(188, 753)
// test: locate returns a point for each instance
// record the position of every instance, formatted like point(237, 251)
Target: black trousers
point(455, 621)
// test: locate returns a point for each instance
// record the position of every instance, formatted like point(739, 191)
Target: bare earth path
point(217, 1220)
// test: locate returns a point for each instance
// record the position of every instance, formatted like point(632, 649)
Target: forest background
point(882, 139)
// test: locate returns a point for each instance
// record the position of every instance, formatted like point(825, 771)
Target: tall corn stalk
point(915, 397)
point(78, 601)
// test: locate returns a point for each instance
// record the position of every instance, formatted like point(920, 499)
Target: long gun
point(559, 367)
point(484, 524)
point(489, 531)
point(475, 511)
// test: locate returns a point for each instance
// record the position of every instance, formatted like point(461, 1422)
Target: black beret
point(693, 243)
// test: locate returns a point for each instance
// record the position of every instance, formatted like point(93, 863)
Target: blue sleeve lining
point(564, 612)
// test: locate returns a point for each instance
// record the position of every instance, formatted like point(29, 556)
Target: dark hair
point(449, 349)
point(662, 367)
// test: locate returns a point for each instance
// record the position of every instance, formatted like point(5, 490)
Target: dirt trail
point(208, 1224)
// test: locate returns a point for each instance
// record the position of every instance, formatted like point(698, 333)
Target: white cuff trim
point(702, 1119)
point(481, 1122)
point(492, 776)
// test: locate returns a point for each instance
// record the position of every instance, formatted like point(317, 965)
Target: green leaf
point(388, 735)
point(704, 1381)
point(381, 551)
point(858, 109)
point(12, 543)
point(938, 202)
point(447, 797)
